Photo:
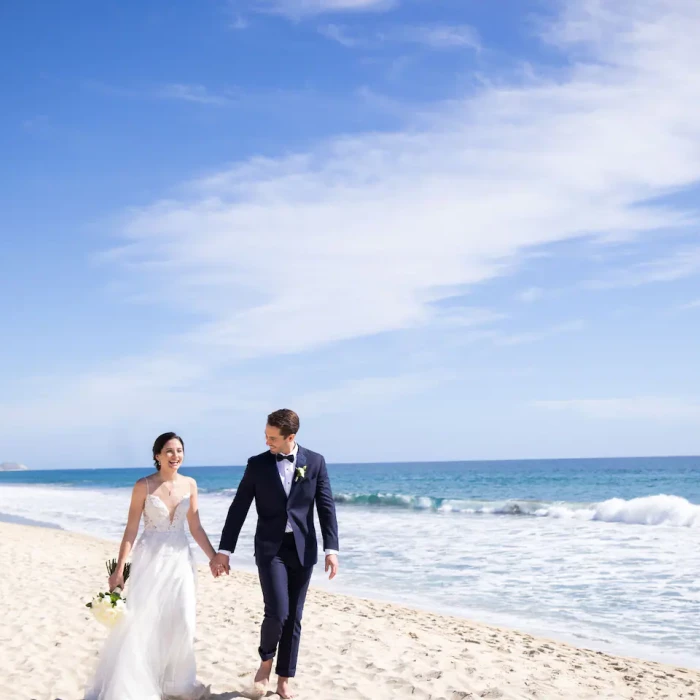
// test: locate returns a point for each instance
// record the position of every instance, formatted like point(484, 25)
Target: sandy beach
point(351, 648)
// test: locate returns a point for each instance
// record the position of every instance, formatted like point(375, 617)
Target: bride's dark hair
point(160, 443)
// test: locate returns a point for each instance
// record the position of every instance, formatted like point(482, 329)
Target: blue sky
point(439, 230)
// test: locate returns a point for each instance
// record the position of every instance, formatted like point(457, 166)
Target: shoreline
point(621, 648)
point(19, 520)
point(351, 647)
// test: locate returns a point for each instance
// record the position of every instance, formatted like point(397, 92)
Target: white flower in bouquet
point(106, 610)
point(109, 607)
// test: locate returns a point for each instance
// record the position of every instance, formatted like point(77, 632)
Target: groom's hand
point(332, 565)
point(219, 564)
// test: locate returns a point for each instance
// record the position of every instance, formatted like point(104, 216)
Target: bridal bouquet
point(108, 607)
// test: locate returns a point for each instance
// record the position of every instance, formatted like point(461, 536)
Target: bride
point(150, 652)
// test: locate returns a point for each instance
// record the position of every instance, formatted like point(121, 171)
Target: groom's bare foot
point(283, 689)
point(262, 678)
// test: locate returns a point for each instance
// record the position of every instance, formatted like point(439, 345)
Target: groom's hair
point(286, 420)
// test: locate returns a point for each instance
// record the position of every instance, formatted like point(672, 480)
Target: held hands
point(332, 564)
point(219, 564)
point(116, 580)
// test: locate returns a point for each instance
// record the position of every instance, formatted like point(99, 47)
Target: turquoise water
point(573, 481)
point(603, 553)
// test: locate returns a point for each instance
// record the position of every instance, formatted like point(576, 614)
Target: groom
point(285, 482)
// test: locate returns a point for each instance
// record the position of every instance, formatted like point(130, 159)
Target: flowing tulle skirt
point(149, 654)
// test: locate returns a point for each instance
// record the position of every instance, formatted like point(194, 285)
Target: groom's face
point(277, 443)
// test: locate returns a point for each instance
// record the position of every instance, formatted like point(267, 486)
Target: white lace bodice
point(157, 517)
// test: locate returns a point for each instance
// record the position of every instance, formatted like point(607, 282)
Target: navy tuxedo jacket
point(261, 482)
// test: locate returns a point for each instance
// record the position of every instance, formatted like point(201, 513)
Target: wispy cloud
point(234, 11)
point(375, 228)
point(646, 407)
point(440, 36)
point(530, 295)
point(239, 23)
point(434, 36)
point(455, 201)
point(297, 9)
point(678, 265)
point(537, 336)
point(695, 304)
point(184, 92)
point(233, 96)
point(191, 93)
point(339, 34)
point(352, 394)
point(501, 337)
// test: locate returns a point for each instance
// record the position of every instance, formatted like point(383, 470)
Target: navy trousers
point(284, 583)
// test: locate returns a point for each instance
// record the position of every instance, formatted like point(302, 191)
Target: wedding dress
point(149, 654)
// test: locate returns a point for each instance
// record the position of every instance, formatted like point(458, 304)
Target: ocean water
point(602, 553)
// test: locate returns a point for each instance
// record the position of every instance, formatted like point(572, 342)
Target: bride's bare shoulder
point(142, 485)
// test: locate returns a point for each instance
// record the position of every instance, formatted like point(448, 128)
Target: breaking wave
point(662, 509)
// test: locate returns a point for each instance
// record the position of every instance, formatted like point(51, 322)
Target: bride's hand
point(219, 564)
point(116, 580)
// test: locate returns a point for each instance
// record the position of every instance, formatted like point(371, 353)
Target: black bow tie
point(281, 457)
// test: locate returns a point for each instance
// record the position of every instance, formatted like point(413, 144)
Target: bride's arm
point(198, 533)
point(138, 498)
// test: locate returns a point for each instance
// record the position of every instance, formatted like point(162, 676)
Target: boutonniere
point(300, 473)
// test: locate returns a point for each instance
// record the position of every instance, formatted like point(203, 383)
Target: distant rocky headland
point(12, 467)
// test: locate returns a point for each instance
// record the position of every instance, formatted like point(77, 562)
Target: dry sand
point(351, 648)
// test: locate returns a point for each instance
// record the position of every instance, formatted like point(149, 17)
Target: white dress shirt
point(286, 470)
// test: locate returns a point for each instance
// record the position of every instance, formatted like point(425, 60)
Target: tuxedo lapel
point(275, 476)
point(301, 462)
